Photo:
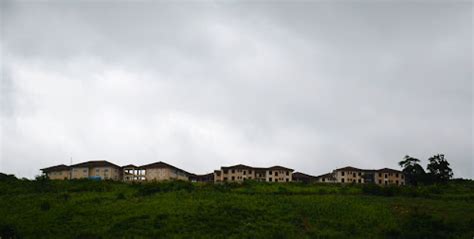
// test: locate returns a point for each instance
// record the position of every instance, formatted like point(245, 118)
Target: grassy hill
point(88, 209)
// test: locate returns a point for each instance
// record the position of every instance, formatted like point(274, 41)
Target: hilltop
point(107, 209)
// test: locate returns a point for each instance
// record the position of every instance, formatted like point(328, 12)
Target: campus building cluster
point(161, 171)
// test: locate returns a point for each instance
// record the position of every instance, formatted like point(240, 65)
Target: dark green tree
point(438, 168)
point(413, 171)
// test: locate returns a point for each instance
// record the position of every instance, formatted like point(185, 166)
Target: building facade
point(101, 170)
point(161, 171)
point(385, 176)
point(58, 172)
point(240, 173)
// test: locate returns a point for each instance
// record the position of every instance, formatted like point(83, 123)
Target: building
point(326, 178)
point(132, 173)
point(205, 178)
point(304, 178)
point(240, 173)
point(349, 175)
point(102, 170)
point(385, 176)
point(58, 172)
point(161, 171)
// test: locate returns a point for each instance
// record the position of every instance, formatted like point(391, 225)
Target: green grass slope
point(88, 209)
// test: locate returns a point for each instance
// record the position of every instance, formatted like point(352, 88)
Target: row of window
point(239, 178)
point(244, 172)
point(380, 174)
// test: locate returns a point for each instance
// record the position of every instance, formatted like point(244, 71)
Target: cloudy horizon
point(312, 86)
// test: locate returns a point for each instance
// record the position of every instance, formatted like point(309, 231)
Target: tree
point(439, 169)
point(413, 171)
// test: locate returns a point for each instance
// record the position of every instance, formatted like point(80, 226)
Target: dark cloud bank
point(312, 85)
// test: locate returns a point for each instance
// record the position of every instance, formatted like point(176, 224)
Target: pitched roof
point(349, 168)
point(130, 166)
point(388, 170)
point(97, 163)
point(302, 175)
point(326, 175)
point(202, 177)
point(277, 167)
point(55, 168)
point(238, 166)
point(161, 164)
point(242, 166)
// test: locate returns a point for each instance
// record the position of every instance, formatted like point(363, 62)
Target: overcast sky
point(309, 85)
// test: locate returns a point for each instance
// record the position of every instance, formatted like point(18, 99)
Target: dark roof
point(98, 163)
point(241, 166)
point(60, 167)
point(280, 168)
point(130, 166)
point(162, 165)
point(238, 166)
point(349, 168)
point(326, 175)
point(302, 175)
point(388, 170)
point(202, 177)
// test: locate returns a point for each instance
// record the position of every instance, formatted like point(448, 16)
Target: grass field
point(89, 209)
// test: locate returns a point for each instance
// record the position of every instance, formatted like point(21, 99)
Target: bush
point(168, 186)
point(373, 189)
point(45, 206)
point(8, 231)
point(120, 196)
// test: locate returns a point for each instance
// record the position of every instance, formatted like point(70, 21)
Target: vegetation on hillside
point(104, 209)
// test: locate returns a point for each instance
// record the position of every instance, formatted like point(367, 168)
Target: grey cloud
point(310, 85)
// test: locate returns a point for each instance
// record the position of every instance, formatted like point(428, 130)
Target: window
point(380, 174)
point(97, 170)
point(276, 173)
point(106, 170)
point(287, 180)
point(342, 180)
point(342, 173)
point(245, 172)
point(402, 176)
point(225, 178)
point(250, 171)
point(360, 173)
point(270, 179)
point(225, 171)
point(276, 179)
point(380, 181)
point(233, 178)
point(386, 182)
point(233, 170)
point(324, 179)
point(396, 181)
point(385, 175)
point(287, 173)
point(396, 175)
point(270, 172)
point(84, 171)
point(354, 175)
point(360, 181)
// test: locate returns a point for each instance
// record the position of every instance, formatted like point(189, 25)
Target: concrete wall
point(102, 172)
point(78, 173)
point(240, 175)
point(278, 176)
point(161, 174)
point(59, 175)
point(386, 178)
point(105, 173)
point(347, 176)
